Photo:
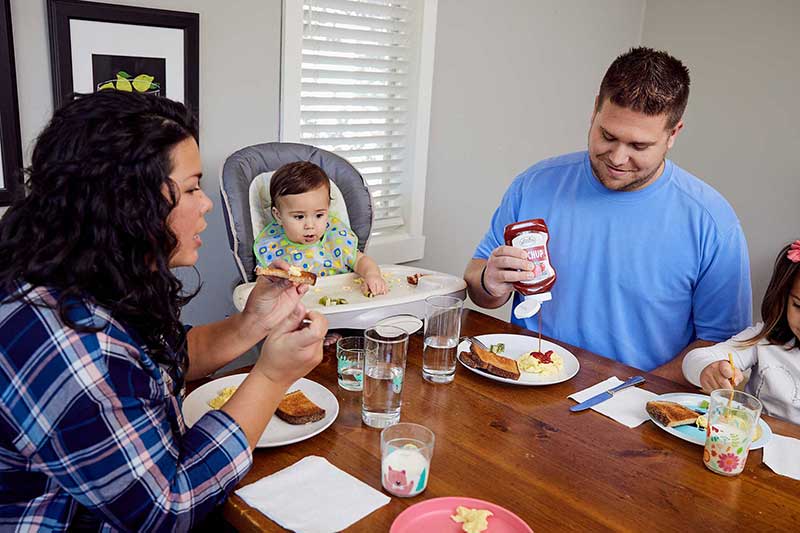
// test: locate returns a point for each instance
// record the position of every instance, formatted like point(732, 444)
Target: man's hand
point(506, 266)
point(718, 375)
point(272, 300)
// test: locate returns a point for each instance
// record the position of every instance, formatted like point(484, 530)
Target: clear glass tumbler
point(442, 332)
point(385, 352)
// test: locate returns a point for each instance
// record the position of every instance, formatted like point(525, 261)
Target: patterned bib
point(335, 253)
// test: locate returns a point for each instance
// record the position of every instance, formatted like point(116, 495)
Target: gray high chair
point(245, 195)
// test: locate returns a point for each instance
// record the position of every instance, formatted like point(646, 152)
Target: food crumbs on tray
point(223, 396)
point(472, 520)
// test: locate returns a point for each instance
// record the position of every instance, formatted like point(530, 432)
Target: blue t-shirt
point(640, 274)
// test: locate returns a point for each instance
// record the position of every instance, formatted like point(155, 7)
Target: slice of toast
point(293, 274)
point(671, 414)
point(492, 363)
point(296, 408)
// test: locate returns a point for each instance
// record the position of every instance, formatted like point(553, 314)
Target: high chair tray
point(361, 312)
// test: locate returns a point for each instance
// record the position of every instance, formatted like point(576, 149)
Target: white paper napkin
point(626, 407)
point(782, 455)
point(313, 496)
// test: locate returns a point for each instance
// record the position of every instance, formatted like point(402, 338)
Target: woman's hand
point(272, 300)
point(718, 375)
point(293, 348)
point(374, 284)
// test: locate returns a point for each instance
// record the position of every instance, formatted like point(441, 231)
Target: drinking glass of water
point(442, 331)
point(385, 351)
point(350, 362)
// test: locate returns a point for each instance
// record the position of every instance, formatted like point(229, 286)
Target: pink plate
point(434, 515)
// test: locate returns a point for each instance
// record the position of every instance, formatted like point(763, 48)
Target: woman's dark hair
point(93, 222)
point(296, 178)
point(648, 81)
point(773, 308)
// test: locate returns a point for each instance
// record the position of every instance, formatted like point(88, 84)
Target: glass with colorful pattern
point(406, 453)
point(350, 362)
point(732, 420)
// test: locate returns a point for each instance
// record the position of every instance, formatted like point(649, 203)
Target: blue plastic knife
point(603, 396)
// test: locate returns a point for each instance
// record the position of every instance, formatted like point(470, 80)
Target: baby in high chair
point(770, 349)
point(305, 235)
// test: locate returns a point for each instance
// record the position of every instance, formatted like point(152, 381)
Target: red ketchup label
point(532, 236)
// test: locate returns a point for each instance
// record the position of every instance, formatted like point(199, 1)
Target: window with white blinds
point(359, 97)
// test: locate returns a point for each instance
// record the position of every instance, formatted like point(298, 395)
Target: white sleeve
point(744, 357)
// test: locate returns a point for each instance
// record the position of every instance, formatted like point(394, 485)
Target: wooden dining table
point(521, 448)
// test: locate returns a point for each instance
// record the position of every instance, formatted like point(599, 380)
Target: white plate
point(409, 323)
point(278, 432)
point(516, 347)
point(691, 432)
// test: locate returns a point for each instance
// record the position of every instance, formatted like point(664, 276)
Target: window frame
point(391, 248)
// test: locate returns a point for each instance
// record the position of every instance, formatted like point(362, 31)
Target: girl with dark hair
point(93, 356)
point(770, 349)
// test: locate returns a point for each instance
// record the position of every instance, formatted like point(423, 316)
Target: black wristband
point(483, 283)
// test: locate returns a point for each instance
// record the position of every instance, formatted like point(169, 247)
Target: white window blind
point(357, 93)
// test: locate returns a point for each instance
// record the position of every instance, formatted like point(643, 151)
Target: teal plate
point(694, 434)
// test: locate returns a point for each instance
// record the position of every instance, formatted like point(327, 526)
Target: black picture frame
point(10, 141)
point(61, 12)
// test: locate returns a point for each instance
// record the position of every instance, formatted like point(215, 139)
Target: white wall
point(514, 82)
point(239, 87)
point(742, 131)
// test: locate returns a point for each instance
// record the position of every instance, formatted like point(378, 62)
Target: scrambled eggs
point(528, 363)
point(223, 396)
point(472, 520)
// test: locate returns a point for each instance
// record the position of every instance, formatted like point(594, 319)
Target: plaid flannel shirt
point(92, 436)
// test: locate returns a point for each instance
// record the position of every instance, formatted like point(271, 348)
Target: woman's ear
point(276, 215)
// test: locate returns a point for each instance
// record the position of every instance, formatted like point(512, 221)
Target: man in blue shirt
point(651, 261)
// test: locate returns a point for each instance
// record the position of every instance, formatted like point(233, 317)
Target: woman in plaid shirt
point(93, 356)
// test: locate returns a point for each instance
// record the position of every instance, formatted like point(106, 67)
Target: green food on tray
point(328, 301)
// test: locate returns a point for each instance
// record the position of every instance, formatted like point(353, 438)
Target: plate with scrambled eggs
point(458, 515)
point(215, 393)
point(557, 366)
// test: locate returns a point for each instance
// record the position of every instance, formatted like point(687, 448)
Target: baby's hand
point(374, 284)
point(718, 375)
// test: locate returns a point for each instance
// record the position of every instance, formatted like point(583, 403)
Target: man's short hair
point(648, 81)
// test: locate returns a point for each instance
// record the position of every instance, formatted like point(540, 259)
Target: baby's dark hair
point(773, 308)
point(297, 178)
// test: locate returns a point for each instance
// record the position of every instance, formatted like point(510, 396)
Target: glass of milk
point(732, 420)
point(406, 452)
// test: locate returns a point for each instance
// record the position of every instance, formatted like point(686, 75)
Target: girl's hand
point(718, 375)
point(374, 284)
point(293, 349)
point(272, 300)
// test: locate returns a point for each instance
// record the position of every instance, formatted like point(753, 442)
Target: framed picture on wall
point(97, 46)
point(10, 144)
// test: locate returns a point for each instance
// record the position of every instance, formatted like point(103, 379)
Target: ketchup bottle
point(533, 237)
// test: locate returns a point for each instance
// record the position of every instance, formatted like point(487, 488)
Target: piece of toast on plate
point(671, 414)
point(293, 274)
point(297, 409)
point(490, 362)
